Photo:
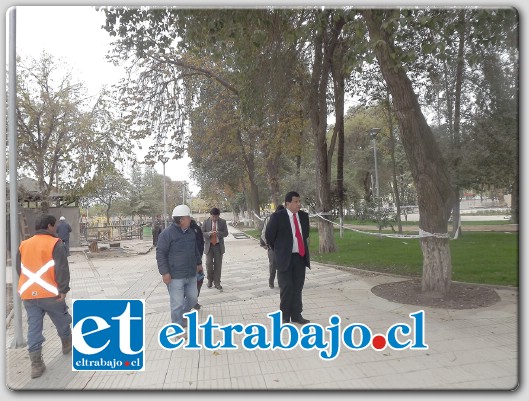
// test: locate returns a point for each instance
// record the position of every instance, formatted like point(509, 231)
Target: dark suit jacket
point(222, 231)
point(279, 237)
point(200, 237)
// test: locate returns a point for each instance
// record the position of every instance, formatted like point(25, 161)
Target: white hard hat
point(181, 210)
point(62, 218)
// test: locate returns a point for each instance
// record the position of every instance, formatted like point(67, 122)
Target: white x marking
point(36, 278)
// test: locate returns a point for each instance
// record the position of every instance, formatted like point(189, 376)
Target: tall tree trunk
point(338, 78)
point(248, 157)
point(300, 148)
point(456, 210)
point(254, 189)
point(272, 155)
point(394, 164)
point(324, 44)
point(107, 214)
point(43, 189)
point(435, 195)
point(272, 174)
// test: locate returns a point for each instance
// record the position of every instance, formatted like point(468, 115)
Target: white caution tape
point(422, 233)
point(256, 215)
point(425, 234)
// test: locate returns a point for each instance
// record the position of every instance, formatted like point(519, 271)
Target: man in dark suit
point(214, 230)
point(287, 234)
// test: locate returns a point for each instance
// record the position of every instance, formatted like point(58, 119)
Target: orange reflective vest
point(37, 268)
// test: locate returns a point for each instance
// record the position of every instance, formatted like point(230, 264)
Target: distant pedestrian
point(63, 230)
point(83, 226)
point(214, 229)
point(200, 243)
point(156, 230)
point(179, 261)
point(287, 234)
point(271, 259)
point(42, 266)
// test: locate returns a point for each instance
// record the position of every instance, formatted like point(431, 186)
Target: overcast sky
point(74, 35)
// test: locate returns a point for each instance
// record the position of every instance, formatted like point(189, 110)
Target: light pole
point(373, 134)
point(164, 159)
point(184, 185)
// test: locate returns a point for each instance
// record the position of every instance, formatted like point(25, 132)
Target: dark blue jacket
point(63, 231)
point(177, 252)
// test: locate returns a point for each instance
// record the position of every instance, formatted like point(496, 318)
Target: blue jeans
point(58, 313)
point(183, 295)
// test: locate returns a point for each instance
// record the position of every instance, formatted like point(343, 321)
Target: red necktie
point(214, 237)
point(301, 245)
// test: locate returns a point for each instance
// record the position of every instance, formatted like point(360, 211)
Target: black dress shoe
point(286, 320)
point(300, 319)
point(209, 284)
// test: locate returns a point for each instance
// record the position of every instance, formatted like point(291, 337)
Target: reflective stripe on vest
point(37, 268)
point(37, 278)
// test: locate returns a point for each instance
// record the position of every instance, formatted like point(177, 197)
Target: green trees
point(232, 74)
point(106, 187)
point(62, 138)
point(248, 93)
point(457, 61)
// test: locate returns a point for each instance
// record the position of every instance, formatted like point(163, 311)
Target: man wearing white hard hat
point(179, 260)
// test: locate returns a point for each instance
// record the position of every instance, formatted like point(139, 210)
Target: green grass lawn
point(477, 257)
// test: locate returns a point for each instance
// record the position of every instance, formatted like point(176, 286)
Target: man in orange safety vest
point(44, 279)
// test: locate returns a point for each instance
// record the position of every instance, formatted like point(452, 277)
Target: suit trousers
point(271, 267)
point(291, 284)
point(214, 263)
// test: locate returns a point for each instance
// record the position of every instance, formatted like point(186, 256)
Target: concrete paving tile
point(488, 370)
point(250, 382)
point(283, 381)
point(509, 365)
point(318, 375)
point(242, 369)
point(181, 377)
point(275, 366)
point(213, 358)
point(215, 384)
point(241, 357)
point(376, 368)
point(360, 384)
point(306, 362)
point(214, 372)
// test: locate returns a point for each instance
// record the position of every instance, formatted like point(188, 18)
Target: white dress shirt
point(295, 248)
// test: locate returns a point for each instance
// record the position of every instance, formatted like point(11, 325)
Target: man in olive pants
point(214, 230)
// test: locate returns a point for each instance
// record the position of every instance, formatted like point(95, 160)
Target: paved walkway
point(468, 349)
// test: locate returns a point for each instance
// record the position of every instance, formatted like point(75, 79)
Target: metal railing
point(111, 233)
